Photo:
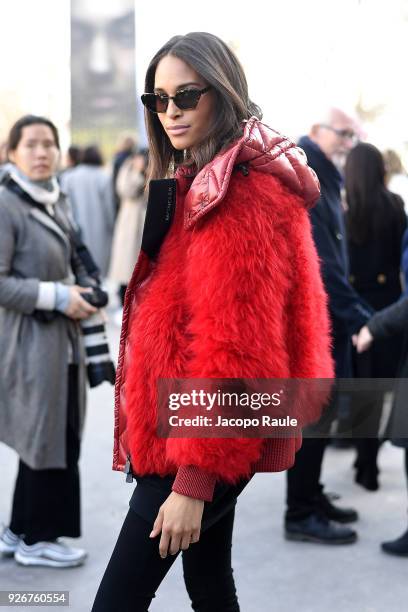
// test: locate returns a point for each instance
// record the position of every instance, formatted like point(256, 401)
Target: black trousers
point(46, 503)
point(304, 490)
point(136, 569)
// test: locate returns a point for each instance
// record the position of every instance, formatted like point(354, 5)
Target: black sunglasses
point(185, 99)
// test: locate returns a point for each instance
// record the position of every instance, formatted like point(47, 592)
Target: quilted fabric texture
point(263, 149)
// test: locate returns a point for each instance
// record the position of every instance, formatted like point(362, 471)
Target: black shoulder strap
point(161, 205)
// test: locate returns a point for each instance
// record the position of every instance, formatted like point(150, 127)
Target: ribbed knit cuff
point(193, 482)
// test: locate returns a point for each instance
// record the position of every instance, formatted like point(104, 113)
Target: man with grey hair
point(310, 515)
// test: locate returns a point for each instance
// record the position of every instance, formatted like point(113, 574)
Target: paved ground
point(272, 575)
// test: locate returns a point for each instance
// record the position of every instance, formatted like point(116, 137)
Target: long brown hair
point(214, 61)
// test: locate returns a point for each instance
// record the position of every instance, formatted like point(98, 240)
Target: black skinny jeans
point(136, 569)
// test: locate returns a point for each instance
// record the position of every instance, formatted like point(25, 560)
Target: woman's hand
point(179, 521)
point(78, 308)
point(363, 340)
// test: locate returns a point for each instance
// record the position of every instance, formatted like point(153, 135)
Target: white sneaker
point(49, 554)
point(9, 542)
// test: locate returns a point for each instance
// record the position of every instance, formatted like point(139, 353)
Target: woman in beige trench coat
point(128, 232)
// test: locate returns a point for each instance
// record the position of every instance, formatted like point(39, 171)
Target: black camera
point(99, 364)
point(98, 298)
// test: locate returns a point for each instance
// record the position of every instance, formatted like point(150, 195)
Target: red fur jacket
point(234, 292)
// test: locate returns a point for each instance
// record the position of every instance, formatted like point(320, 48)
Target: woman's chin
point(178, 146)
point(180, 143)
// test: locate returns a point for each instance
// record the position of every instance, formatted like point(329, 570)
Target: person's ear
point(11, 156)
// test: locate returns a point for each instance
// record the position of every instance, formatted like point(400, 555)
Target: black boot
point(335, 513)
point(317, 528)
point(397, 547)
point(367, 477)
point(366, 463)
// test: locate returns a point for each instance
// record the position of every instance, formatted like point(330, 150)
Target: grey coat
point(33, 354)
point(90, 192)
point(384, 324)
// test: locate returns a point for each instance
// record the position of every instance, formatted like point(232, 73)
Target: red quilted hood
point(263, 149)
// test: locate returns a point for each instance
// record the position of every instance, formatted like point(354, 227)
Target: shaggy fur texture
point(239, 295)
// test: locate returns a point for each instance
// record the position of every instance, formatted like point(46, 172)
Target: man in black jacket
point(310, 515)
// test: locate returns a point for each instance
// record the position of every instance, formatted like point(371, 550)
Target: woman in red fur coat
point(227, 285)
